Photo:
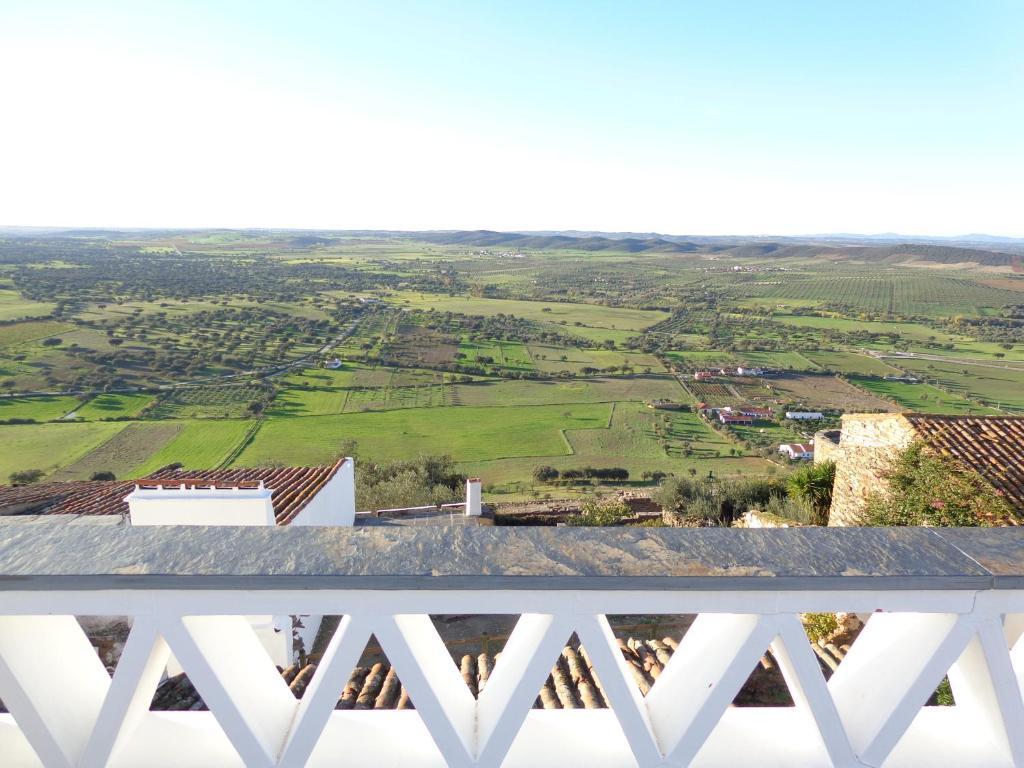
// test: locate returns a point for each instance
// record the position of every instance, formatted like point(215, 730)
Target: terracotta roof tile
point(991, 445)
point(292, 489)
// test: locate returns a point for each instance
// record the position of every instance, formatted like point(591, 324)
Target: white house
point(333, 363)
point(744, 371)
point(805, 415)
point(797, 451)
point(258, 496)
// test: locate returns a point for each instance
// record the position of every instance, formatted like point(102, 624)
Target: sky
point(725, 117)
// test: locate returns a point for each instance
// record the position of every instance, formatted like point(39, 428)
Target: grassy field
point(468, 434)
point(50, 447)
point(317, 391)
point(597, 390)
point(13, 306)
point(547, 358)
point(200, 444)
point(839, 361)
point(113, 405)
point(1000, 387)
point(920, 397)
point(589, 315)
point(31, 330)
point(41, 408)
point(124, 451)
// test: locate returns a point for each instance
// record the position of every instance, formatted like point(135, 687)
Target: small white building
point(260, 496)
point(744, 371)
point(797, 451)
point(333, 363)
point(805, 415)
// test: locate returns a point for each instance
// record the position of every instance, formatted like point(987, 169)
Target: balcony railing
point(938, 603)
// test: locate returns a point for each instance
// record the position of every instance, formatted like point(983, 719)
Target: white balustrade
point(65, 710)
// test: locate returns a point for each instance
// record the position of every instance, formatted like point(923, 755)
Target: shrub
point(545, 474)
point(600, 512)
point(812, 484)
point(930, 490)
point(820, 625)
point(107, 475)
point(26, 476)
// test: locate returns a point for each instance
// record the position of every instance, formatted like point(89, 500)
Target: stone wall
point(868, 444)
point(826, 445)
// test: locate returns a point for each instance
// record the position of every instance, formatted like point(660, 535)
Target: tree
point(812, 484)
point(931, 490)
point(545, 474)
point(26, 476)
point(600, 512)
point(107, 475)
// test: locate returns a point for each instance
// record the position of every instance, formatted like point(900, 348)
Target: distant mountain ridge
point(985, 250)
point(738, 247)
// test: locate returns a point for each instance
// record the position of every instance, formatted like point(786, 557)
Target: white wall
point(200, 506)
point(335, 504)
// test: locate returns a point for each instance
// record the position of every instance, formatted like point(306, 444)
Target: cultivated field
point(505, 361)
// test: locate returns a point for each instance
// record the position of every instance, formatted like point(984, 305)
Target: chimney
point(473, 497)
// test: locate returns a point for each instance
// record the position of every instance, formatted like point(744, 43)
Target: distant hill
point(736, 247)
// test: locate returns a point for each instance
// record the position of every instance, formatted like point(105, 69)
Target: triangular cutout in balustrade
point(226, 659)
point(571, 721)
point(355, 702)
point(53, 683)
point(689, 703)
point(965, 721)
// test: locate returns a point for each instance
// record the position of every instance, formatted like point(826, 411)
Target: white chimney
point(473, 497)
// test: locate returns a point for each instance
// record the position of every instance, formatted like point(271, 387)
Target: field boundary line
point(244, 443)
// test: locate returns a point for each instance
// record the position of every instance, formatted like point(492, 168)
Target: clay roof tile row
point(292, 489)
point(992, 445)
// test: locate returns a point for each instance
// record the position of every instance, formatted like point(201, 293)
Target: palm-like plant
point(813, 485)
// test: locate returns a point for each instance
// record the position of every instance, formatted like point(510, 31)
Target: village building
point(665, 405)
point(867, 444)
point(745, 371)
point(333, 363)
point(703, 375)
point(729, 417)
point(797, 451)
point(805, 415)
point(756, 411)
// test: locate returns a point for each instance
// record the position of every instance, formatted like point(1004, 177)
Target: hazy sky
point(706, 117)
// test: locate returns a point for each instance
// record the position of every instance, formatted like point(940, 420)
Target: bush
point(600, 512)
point(26, 476)
point(545, 474)
point(706, 502)
point(820, 625)
point(812, 484)
point(103, 476)
point(395, 484)
point(930, 490)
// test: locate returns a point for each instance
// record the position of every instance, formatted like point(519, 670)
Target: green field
point(113, 405)
point(39, 408)
point(199, 445)
point(994, 386)
point(31, 330)
point(503, 360)
point(923, 398)
point(597, 390)
point(50, 446)
point(849, 362)
point(591, 315)
point(13, 306)
point(317, 391)
point(468, 434)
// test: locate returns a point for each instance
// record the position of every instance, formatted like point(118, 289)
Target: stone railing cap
point(43, 556)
